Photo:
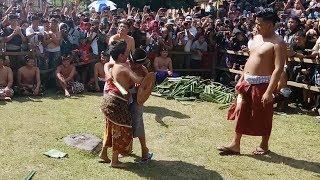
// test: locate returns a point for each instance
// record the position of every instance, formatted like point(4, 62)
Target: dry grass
point(182, 137)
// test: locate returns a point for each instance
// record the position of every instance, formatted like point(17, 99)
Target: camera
point(185, 24)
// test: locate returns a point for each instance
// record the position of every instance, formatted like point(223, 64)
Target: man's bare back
point(120, 74)
point(28, 75)
point(261, 61)
point(4, 75)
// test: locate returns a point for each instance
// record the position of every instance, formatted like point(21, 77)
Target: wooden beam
point(296, 59)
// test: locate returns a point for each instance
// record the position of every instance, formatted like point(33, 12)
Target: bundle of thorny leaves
point(189, 88)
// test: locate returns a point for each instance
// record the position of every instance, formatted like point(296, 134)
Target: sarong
point(116, 109)
point(118, 134)
point(75, 87)
point(3, 94)
point(253, 118)
point(117, 137)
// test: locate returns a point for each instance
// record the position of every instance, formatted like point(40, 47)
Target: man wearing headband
point(6, 80)
point(137, 59)
point(29, 78)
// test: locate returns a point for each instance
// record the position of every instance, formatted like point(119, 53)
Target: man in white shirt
point(35, 33)
point(190, 33)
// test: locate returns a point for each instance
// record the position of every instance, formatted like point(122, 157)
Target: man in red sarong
point(253, 108)
point(115, 106)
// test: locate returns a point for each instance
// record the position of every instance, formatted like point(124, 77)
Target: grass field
point(183, 138)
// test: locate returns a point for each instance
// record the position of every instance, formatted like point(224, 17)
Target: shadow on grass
point(22, 99)
point(160, 169)
point(294, 110)
point(298, 164)
point(162, 112)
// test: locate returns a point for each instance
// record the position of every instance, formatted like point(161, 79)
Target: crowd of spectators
point(82, 36)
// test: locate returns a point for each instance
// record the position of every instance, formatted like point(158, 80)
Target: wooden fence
point(290, 83)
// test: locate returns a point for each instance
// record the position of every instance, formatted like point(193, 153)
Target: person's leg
point(264, 146)
point(144, 148)
point(104, 151)
point(235, 143)
point(64, 87)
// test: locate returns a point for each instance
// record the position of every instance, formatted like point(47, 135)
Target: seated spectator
point(198, 48)
point(29, 79)
point(65, 74)
point(6, 80)
point(163, 66)
point(98, 81)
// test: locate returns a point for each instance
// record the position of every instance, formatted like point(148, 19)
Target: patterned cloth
point(251, 79)
point(116, 109)
point(75, 87)
point(117, 137)
point(253, 118)
point(3, 94)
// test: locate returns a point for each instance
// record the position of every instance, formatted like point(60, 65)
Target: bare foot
point(7, 99)
point(260, 151)
point(105, 159)
point(117, 164)
point(66, 93)
point(228, 148)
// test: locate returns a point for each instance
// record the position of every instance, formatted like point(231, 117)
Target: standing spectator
point(52, 42)
point(293, 27)
point(13, 38)
point(198, 48)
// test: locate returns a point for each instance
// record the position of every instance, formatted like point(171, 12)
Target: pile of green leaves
point(189, 88)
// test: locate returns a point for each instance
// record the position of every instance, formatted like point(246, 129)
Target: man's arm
point(96, 75)
point(279, 61)
point(136, 79)
point(38, 78)
point(59, 75)
point(107, 71)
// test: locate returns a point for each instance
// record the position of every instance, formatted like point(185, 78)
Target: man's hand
point(170, 73)
point(36, 91)
point(266, 98)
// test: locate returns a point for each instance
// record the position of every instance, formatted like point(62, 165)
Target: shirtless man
point(253, 109)
point(123, 35)
point(52, 41)
point(137, 59)
point(163, 66)
point(6, 80)
point(115, 106)
point(65, 74)
point(29, 78)
point(99, 75)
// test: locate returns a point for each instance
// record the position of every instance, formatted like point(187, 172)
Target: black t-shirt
point(16, 40)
